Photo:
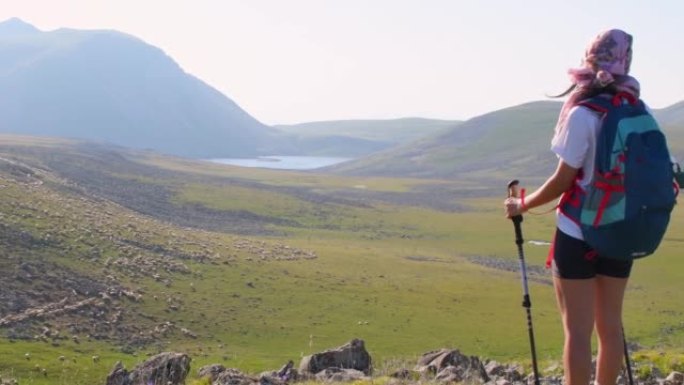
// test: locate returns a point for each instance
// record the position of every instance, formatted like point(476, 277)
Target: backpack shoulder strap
point(605, 102)
point(599, 104)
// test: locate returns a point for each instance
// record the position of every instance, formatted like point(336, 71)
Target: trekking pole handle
point(513, 188)
point(513, 193)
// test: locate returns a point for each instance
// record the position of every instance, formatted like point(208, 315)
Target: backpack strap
point(605, 102)
point(570, 202)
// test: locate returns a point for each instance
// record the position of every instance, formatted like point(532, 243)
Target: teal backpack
point(625, 210)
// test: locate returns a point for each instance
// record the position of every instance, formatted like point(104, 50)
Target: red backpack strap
point(549, 258)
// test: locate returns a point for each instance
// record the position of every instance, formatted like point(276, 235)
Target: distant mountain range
point(108, 86)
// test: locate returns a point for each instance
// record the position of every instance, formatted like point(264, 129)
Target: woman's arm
point(559, 182)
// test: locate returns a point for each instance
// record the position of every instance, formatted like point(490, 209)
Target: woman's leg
point(610, 293)
point(576, 303)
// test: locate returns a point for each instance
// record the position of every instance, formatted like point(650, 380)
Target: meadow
point(407, 265)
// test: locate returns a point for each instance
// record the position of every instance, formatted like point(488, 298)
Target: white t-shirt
point(575, 144)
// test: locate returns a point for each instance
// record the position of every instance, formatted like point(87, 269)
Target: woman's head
point(610, 51)
point(607, 57)
point(604, 70)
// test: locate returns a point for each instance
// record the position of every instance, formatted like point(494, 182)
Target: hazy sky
point(289, 61)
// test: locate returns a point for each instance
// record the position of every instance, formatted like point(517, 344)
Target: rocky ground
point(69, 258)
point(351, 363)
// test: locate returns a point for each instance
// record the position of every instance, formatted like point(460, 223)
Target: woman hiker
point(589, 291)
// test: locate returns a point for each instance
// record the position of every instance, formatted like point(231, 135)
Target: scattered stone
point(234, 377)
point(340, 375)
point(162, 369)
point(352, 355)
point(450, 365)
point(674, 378)
point(211, 371)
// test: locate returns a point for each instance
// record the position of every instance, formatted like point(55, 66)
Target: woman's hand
point(513, 207)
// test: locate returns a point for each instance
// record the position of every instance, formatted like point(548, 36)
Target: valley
point(120, 254)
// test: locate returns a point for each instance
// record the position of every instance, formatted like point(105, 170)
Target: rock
point(163, 369)
point(233, 377)
point(452, 366)
point(118, 376)
point(494, 368)
point(340, 375)
point(287, 372)
point(403, 374)
point(450, 374)
point(211, 371)
point(675, 378)
point(352, 355)
point(270, 378)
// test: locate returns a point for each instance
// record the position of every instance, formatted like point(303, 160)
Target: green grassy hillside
point(513, 142)
point(389, 130)
point(672, 121)
point(120, 255)
point(509, 141)
point(356, 138)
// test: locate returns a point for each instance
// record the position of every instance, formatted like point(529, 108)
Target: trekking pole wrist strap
point(523, 206)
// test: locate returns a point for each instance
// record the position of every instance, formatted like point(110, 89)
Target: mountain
point(672, 121)
point(488, 144)
point(354, 138)
point(672, 115)
point(108, 86)
point(504, 144)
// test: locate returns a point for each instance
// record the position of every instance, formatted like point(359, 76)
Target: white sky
point(289, 61)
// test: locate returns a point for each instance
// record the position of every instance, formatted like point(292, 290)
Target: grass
point(44, 365)
point(398, 276)
point(652, 361)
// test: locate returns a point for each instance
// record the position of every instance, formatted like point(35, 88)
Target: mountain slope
point(672, 121)
point(360, 137)
point(108, 86)
point(505, 144)
point(502, 141)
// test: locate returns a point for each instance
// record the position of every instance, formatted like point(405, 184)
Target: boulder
point(234, 377)
point(286, 373)
point(340, 375)
point(211, 371)
point(675, 378)
point(163, 369)
point(449, 365)
point(352, 355)
point(118, 375)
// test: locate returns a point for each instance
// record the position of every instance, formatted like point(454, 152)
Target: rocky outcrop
point(675, 378)
point(352, 355)
point(443, 366)
point(220, 375)
point(163, 369)
point(451, 366)
point(340, 375)
point(211, 371)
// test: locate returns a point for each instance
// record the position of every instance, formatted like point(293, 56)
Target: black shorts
point(575, 259)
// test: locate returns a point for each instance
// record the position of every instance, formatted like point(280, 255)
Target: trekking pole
point(628, 365)
point(527, 304)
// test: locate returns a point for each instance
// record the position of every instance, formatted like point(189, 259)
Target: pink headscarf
point(608, 54)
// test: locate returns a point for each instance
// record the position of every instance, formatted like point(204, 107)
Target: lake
point(283, 162)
